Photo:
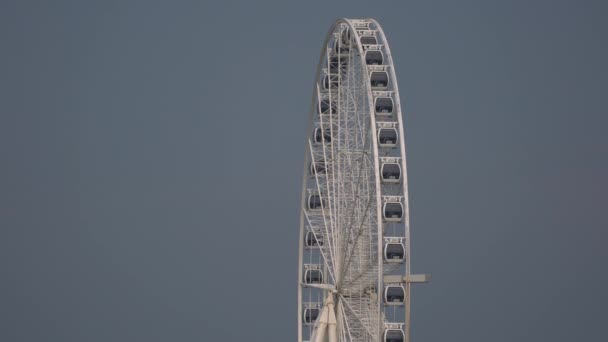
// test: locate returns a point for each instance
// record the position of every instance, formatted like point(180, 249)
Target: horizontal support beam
point(326, 287)
point(412, 278)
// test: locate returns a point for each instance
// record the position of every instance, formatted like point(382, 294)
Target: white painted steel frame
point(350, 330)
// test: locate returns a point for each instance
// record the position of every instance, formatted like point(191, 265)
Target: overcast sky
point(151, 154)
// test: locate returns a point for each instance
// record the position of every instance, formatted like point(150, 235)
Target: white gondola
point(379, 80)
point(346, 36)
point(337, 64)
point(383, 106)
point(394, 332)
point(374, 57)
point(321, 135)
point(313, 240)
point(324, 107)
point(368, 40)
point(391, 172)
point(387, 137)
point(340, 48)
point(313, 274)
point(393, 211)
point(343, 43)
point(318, 167)
point(315, 202)
point(310, 315)
point(394, 250)
point(394, 294)
point(332, 82)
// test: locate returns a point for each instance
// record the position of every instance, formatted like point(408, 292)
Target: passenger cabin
point(393, 211)
point(321, 135)
point(317, 167)
point(387, 137)
point(346, 36)
point(384, 106)
point(394, 251)
point(391, 172)
point(337, 64)
point(343, 42)
point(315, 202)
point(325, 108)
point(313, 240)
point(340, 48)
point(379, 80)
point(330, 81)
point(394, 335)
point(374, 57)
point(394, 294)
point(368, 40)
point(313, 276)
point(310, 315)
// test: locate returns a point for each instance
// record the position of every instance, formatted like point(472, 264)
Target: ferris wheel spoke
point(330, 163)
point(360, 232)
point(336, 151)
point(351, 174)
point(344, 323)
point(355, 191)
point(363, 322)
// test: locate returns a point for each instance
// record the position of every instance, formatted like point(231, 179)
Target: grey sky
point(151, 155)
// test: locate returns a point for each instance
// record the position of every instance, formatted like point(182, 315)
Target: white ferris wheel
point(354, 274)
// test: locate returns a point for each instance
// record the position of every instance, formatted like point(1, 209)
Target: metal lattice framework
point(354, 257)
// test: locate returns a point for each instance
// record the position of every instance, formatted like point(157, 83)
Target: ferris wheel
point(354, 274)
